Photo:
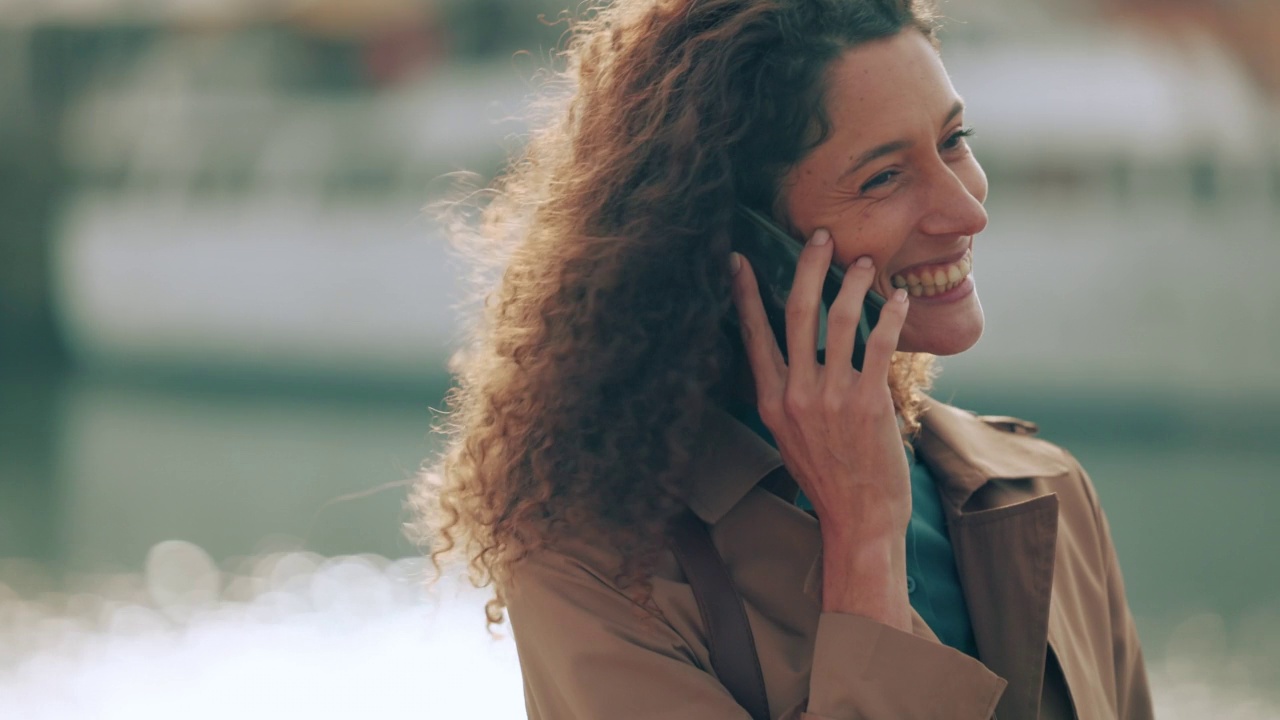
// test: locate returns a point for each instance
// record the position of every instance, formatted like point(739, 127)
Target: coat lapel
point(1005, 557)
point(1003, 535)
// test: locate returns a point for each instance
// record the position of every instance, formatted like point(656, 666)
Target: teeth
point(935, 281)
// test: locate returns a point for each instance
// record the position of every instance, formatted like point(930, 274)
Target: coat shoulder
point(568, 560)
point(597, 567)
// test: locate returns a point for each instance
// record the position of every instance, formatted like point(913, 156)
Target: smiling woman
point(691, 509)
point(896, 182)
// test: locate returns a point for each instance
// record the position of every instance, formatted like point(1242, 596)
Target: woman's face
point(895, 180)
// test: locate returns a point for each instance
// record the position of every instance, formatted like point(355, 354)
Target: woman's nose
point(955, 202)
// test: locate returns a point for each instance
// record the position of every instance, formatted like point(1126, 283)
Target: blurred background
point(224, 319)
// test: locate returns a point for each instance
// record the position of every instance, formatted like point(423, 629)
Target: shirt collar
point(963, 450)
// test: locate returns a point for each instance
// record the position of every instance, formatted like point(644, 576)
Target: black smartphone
point(773, 248)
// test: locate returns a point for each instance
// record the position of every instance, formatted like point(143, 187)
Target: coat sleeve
point(864, 669)
point(587, 651)
point(1133, 695)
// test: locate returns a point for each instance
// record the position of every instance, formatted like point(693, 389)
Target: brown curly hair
point(610, 330)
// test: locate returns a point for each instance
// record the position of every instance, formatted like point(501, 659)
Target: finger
point(767, 364)
point(803, 306)
point(844, 315)
point(884, 338)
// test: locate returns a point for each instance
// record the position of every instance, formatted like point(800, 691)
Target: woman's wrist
point(867, 577)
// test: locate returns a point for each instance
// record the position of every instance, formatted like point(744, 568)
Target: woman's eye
point(957, 138)
point(881, 179)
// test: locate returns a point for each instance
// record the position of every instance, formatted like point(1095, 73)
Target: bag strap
point(731, 645)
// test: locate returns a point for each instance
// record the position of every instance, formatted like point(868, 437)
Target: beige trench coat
point(1034, 553)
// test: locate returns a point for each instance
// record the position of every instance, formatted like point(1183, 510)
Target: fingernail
point(821, 237)
point(900, 295)
point(864, 261)
point(735, 263)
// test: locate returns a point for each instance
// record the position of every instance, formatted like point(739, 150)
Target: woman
point(628, 369)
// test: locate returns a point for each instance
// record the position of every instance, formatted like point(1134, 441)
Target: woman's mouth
point(931, 280)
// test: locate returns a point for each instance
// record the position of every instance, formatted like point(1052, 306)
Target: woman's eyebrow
point(888, 148)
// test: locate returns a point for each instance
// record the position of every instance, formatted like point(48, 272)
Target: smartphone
point(775, 249)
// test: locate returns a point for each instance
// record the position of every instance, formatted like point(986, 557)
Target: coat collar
point(733, 460)
point(965, 451)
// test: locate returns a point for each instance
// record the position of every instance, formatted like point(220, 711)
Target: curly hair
point(609, 331)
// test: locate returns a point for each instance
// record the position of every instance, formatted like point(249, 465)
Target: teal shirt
point(933, 583)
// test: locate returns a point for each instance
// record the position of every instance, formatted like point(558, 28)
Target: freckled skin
point(927, 209)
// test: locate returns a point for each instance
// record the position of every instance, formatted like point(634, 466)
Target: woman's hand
point(836, 428)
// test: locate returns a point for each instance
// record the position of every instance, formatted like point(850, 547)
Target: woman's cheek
point(883, 233)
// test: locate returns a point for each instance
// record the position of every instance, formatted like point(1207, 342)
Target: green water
point(95, 470)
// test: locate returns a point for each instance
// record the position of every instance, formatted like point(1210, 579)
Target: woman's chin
point(950, 346)
point(951, 337)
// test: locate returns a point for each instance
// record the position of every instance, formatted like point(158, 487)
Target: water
point(222, 548)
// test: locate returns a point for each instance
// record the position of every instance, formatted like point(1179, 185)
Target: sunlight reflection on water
point(294, 634)
point(302, 636)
